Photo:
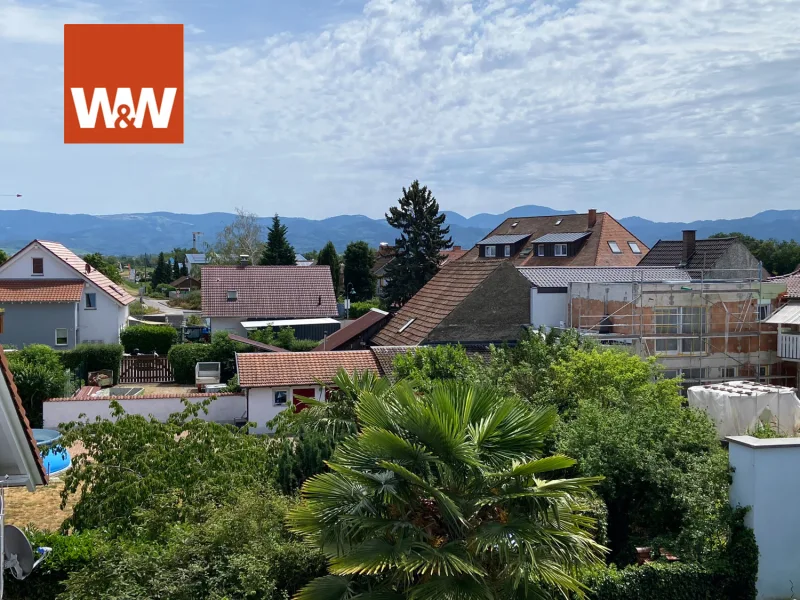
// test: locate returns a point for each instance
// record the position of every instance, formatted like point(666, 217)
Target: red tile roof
point(452, 254)
point(40, 290)
point(269, 292)
point(437, 299)
point(594, 251)
point(353, 330)
point(5, 373)
point(792, 283)
point(300, 368)
point(117, 292)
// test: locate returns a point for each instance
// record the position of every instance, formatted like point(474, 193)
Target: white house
point(49, 295)
point(20, 461)
point(273, 381)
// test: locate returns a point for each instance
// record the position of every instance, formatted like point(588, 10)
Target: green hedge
point(149, 338)
point(70, 553)
point(658, 581)
point(184, 357)
point(358, 309)
point(93, 357)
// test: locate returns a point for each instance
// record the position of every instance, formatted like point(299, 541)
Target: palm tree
point(444, 496)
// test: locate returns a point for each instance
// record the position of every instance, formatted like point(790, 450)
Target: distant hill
point(151, 232)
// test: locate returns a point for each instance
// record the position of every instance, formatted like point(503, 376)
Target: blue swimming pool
point(57, 459)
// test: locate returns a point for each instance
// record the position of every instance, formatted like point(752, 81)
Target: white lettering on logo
point(87, 112)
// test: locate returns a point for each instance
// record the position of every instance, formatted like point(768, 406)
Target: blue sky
point(667, 109)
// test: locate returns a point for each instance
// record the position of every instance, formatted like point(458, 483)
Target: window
point(281, 398)
point(232, 295)
point(61, 337)
point(693, 374)
point(560, 249)
point(764, 309)
point(404, 327)
point(670, 373)
point(489, 252)
point(507, 250)
point(91, 301)
point(634, 247)
point(684, 320)
point(730, 372)
point(614, 247)
point(763, 372)
point(37, 267)
point(540, 250)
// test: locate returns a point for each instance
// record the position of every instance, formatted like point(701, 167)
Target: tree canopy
point(3, 256)
point(329, 257)
point(778, 257)
point(423, 236)
point(358, 262)
point(101, 263)
point(448, 495)
point(277, 250)
point(242, 236)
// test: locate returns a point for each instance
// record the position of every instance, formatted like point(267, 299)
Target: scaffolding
point(652, 317)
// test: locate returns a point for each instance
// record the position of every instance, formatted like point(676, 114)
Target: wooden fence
point(145, 369)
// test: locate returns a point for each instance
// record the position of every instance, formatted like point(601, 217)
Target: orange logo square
point(123, 84)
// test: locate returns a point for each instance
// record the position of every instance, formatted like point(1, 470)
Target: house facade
point(275, 381)
point(787, 319)
point(49, 295)
point(235, 295)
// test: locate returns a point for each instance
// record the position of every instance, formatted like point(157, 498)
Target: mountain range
point(152, 232)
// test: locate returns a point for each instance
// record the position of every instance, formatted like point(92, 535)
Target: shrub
point(70, 553)
point(39, 375)
point(93, 357)
point(657, 581)
point(299, 457)
point(149, 338)
point(430, 364)
point(359, 309)
point(303, 345)
point(183, 359)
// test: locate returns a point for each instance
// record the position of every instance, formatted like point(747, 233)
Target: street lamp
point(350, 291)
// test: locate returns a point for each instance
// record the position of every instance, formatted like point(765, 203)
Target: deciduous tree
point(242, 236)
point(423, 236)
point(99, 262)
point(358, 262)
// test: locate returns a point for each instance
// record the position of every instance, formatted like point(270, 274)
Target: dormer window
point(232, 295)
point(490, 251)
point(507, 250)
point(614, 247)
point(634, 247)
point(540, 250)
point(37, 266)
point(560, 249)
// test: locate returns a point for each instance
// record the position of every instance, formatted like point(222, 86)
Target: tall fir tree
point(328, 256)
point(277, 250)
point(176, 267)
point(359, 281)
point(161, 273)
point(423, 236)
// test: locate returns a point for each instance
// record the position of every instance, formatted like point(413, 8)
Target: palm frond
point(330, 587)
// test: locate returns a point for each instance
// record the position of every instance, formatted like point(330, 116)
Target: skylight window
point(634, 247)
point(232, 295)
point(559, 221)
point(515, 223)
point(404, 327)
point(614, 247)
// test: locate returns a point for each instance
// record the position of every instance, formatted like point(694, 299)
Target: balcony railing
point(789, 346)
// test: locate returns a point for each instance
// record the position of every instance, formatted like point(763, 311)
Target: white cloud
point(42, 22)
point(666, 108)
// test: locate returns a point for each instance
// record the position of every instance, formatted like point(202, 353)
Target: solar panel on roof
point(561, 238)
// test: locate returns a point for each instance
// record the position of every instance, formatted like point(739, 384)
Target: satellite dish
point(17, 552)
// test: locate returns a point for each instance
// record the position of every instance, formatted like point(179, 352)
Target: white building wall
point(222, 410)
point(767, 478)
point(230, 324)
point(261, 406)
point(21, 266)
point(103, 323)
point(548, 309)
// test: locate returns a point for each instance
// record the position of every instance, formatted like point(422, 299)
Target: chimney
point(244, 260)
point(688, 245)
point(456, 248)
point(592, 217)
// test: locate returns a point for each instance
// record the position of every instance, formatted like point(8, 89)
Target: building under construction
point(703, 329)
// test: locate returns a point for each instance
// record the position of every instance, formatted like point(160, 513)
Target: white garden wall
point(767, 479)
point(222, 410)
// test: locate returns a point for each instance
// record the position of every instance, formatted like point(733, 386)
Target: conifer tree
point(423, 236)
point(277, 250)
point(329, 257)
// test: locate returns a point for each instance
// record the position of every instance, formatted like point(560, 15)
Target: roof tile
point(40, 290)
point(300, 368)
point(269, 292)
point(561, 277)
